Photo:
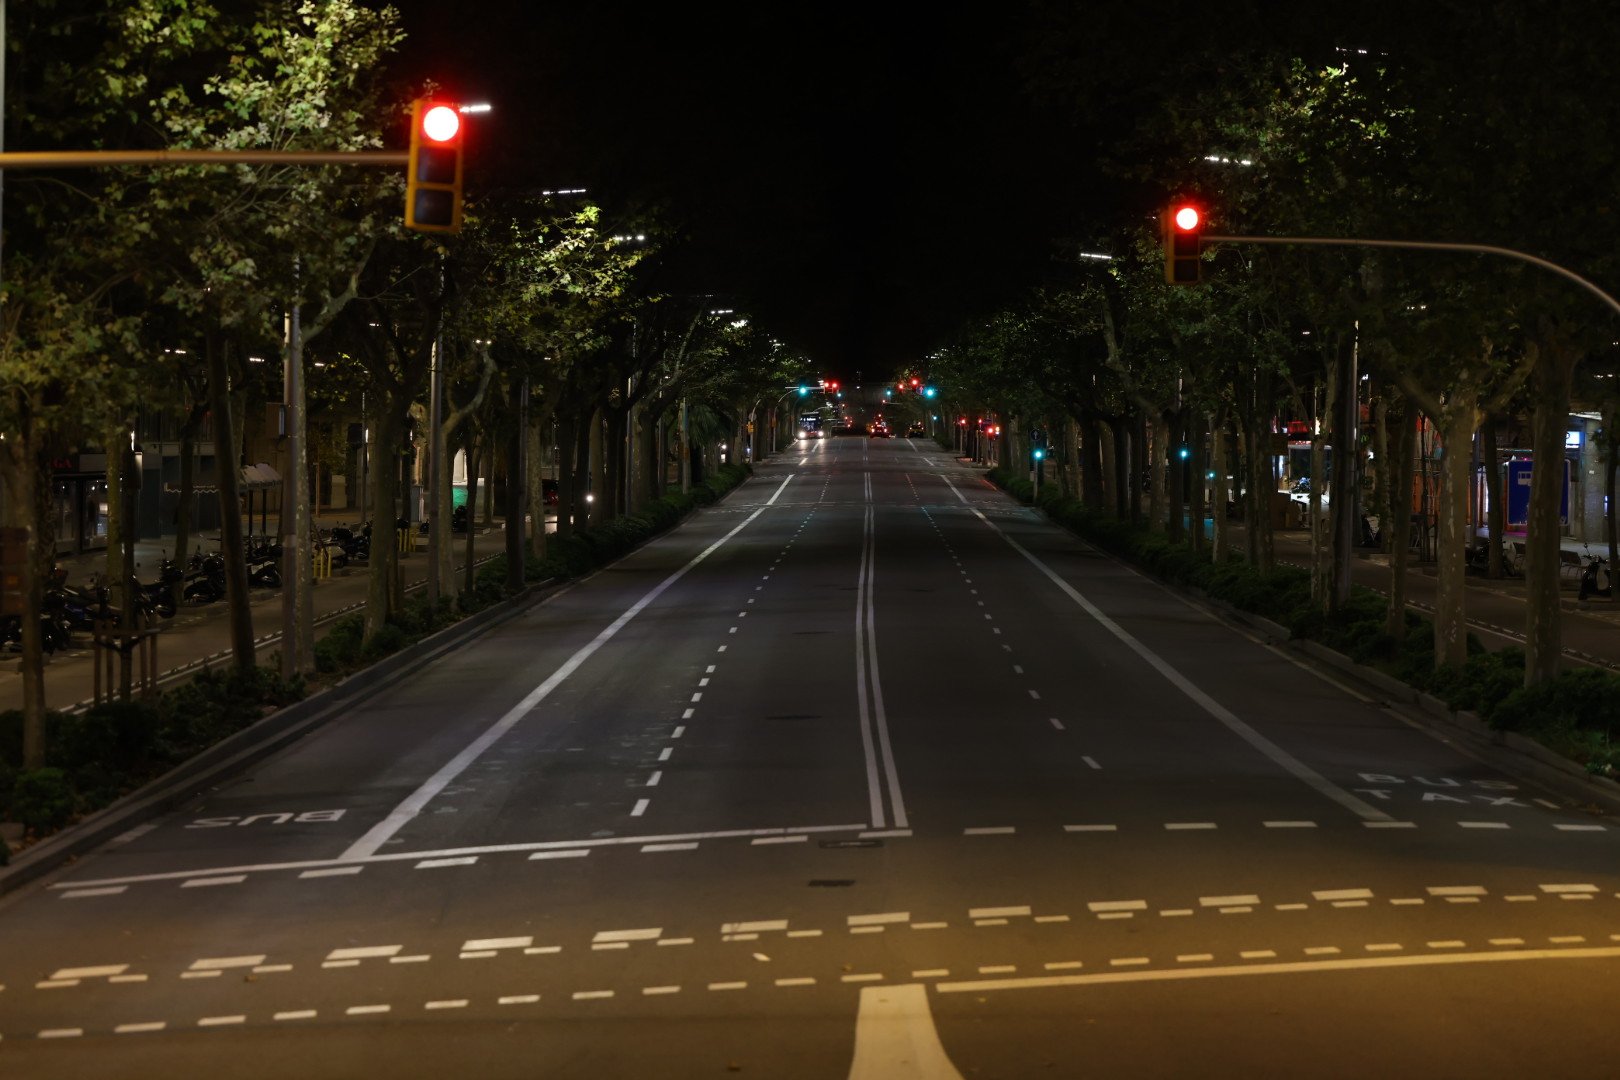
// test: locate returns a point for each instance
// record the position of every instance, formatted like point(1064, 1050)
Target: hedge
point(1574, 714)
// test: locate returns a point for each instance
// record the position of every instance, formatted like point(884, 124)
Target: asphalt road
point(865, 772)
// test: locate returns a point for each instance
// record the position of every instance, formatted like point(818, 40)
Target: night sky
point(859, 181)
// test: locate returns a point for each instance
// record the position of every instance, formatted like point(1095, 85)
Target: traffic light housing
point(1183, 226)
point(433, 173)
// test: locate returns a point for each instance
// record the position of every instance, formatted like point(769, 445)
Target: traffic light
point(1183, 225)
point(1039, 452)
point(930, 391)
point(804, 391)
point(433, 174)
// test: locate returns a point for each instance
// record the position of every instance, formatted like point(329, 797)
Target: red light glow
point(1187, 218)
point(441, 123)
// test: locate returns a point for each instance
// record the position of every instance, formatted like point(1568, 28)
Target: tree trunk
point(1221, 541)
point(535, 488)
point(583, 440)
point(188, 486)
point(1316, 521)
point(27, 478)
point(567, 445)
point(1175, 475)
point(597, 512)
point(1398, 516)
point(116, 574)
point(468, 570)
point(384, 566)
point(1198, 475)
point(227, 464)
point(1611, 451)
point(516, 495)
point(1093, 465)
point(1495, 501)
point(441, 542)
point(611, 499)
point(1450, 625)
point(1543, 540)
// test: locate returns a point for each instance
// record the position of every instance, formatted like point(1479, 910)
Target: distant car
point(916, 430)
point(548, 492)
point(881, 431)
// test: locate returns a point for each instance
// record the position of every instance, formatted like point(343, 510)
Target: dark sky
point(860, 180)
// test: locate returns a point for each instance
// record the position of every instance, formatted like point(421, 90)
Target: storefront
point(79, 503)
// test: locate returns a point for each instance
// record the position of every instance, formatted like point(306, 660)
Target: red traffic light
point(441, 123)
point(916, 382)
point(1187, 218)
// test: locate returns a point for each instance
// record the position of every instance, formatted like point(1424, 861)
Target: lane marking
point(480, 944)
point(98, 972)
point(414, 803)
point(1289, 824)
point(518, 999)
point(779, 839)
point(628, 935)
point(1183, 826)
point(1233, 723)
point(1456, 890)
point(690, 845)
point(363, 952)
point(201, 883)
point(1117, 905)
point(657, 775)
point(1227, 901)
point(1091, 828)
point(434, 864)
point(640, 807)
point(79, 894)
point(1057, 723)
point(131, 1029)
point(220, 963)
point(867, 677)
point(990, 830)
point(456, 1003)
point(880, 919)
point(333, 871)
point(491, 849)
point(1342, 894)
point(1284, 968)
point(998, 912)
point(573, 853)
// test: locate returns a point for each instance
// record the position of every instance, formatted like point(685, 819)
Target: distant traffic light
point(433, 174)
point(930, 391)
point(916, 383)
point(804, 391)
point(1039, 453)
point(1183, 225)
point(1184, 453)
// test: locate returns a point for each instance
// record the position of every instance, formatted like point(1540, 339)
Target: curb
point(252, 744)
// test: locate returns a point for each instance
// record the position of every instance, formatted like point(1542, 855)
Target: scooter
point(1589, 578)
point(158, 595)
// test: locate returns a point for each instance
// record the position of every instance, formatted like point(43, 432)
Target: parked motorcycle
point(205, 580)
point(158, 595)
point(1589, 578)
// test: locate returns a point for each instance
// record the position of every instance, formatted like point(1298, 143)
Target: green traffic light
point(804, 391)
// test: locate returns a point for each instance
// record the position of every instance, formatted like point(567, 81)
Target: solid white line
point(895, 1037)
point(874, 786)
point(1237, 726)
point(1285, 968)
point(493, 849)
point(413, 805)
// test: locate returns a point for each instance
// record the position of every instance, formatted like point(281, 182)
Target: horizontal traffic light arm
point(1423, 245)
point(89, 159)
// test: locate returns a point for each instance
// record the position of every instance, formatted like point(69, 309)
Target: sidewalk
point(198, 633)
point(1495, 609)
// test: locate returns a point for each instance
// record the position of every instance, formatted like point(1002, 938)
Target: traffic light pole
point(1414, 245)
